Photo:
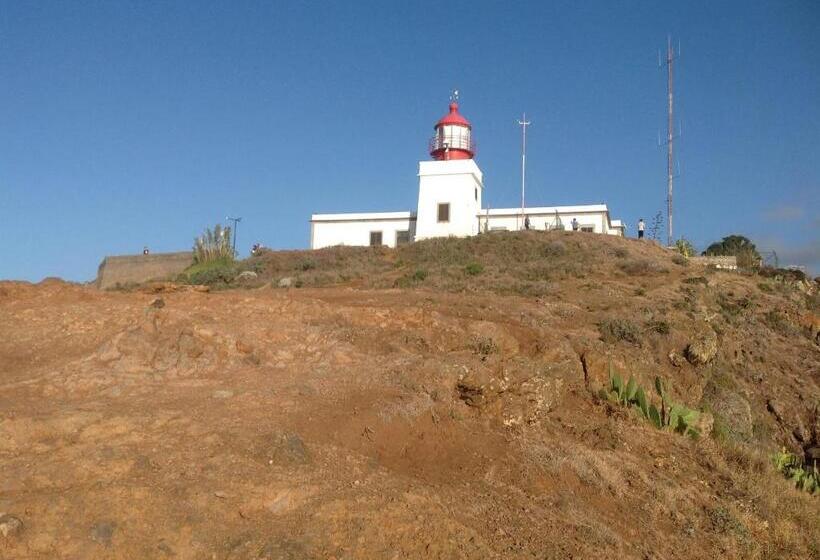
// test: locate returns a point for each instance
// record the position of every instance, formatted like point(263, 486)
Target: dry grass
point(507, 263)
point(783, 520)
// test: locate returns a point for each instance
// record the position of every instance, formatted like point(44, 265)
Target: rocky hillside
point(450, 399)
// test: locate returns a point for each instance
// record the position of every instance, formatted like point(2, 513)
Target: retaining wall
point(130, 269)
point(725, 263)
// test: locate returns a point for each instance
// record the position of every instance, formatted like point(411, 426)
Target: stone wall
point(131, 269)
point(725, 263)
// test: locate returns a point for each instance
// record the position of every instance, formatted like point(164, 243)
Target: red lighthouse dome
point(453, 138)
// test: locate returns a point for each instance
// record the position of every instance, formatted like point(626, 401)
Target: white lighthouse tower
point(450, 186)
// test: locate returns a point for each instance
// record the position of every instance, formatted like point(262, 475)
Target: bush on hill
point(737, 246)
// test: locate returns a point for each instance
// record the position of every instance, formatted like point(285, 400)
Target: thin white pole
point(524, 123)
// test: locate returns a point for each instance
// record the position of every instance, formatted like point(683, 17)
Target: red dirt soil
point(400, 423)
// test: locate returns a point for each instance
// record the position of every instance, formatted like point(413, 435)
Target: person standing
point(574, 224)
point(641, 227)
point(526, 222)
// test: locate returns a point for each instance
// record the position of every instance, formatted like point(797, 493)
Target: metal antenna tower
point(524, 124)
point(670, 136)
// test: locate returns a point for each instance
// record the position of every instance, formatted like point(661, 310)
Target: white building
point(451, 189)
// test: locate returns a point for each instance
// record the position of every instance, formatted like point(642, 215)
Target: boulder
point(246, 275)
point(676, 359)
point(513, 393)
point(10, 525)
point(731, 409)
point(800, 432)
point(285, 282)
point(776, 409)
point(479, 388)
point(704, 346)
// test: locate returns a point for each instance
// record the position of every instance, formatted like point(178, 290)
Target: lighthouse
point(453, 138)
point(451, 185)
point(451, 189)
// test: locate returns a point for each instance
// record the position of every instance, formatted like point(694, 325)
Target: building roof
point(361, 216)
point(586, 208)
point(453, 117)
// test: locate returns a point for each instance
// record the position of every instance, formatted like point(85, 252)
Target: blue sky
point(125, 124)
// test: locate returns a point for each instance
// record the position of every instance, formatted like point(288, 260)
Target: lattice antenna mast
point(524, 124)
point(670, 136)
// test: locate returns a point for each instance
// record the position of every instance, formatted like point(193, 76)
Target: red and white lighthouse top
point(453, 117)
point(453, 137)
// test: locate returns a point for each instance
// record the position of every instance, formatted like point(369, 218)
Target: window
point(375, 239)
point(590, 229)
point(444, 212)
point(402, 237)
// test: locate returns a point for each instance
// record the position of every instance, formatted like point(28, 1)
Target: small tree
point(737, 246)
point(685, 247)
point(213, 245)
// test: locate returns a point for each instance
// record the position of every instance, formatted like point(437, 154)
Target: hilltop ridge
point(439, 400)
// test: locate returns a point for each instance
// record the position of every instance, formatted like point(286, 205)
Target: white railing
point(452, 142)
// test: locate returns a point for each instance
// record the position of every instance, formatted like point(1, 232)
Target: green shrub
point(738, 246)
point(764, 287)
point(474, 269)
point(680, 260)
point(658, 326)
point(307, 265)
point(411, 279)
point(732, 307)
point(803, 476)
point(670, 416)
point(484, 346)
point(615, 330)
point(213, 245)
point(212, 273)
point(684, 247)
point(673, 416)
point(778, 322)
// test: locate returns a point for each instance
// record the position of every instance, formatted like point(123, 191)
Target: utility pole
point(235, 226)
point(670, 138)
point(524, 123)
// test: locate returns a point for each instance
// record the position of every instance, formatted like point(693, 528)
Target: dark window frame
point(443, 206)
point(380, 233)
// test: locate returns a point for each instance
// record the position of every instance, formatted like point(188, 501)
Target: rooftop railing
point(452, 143)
